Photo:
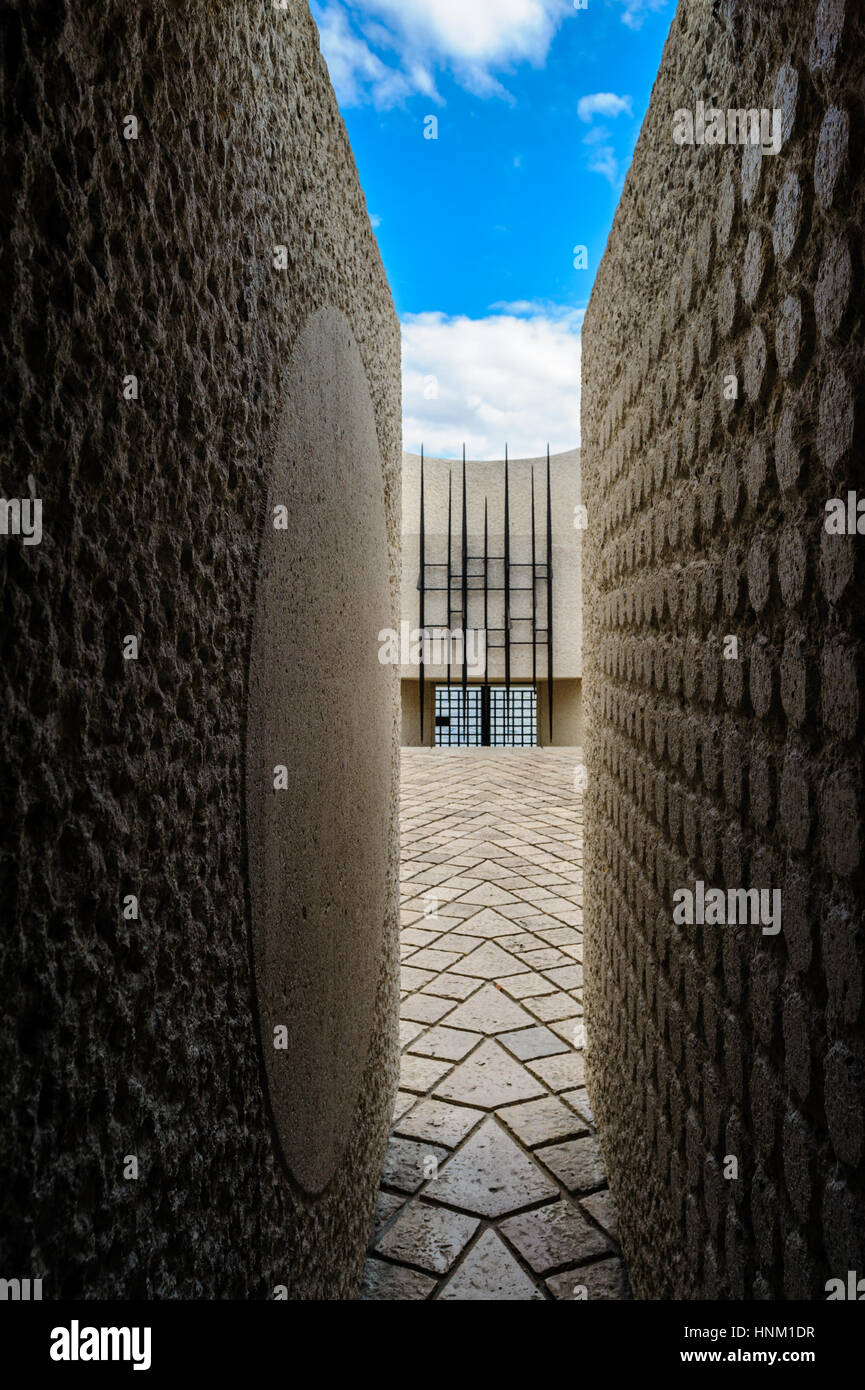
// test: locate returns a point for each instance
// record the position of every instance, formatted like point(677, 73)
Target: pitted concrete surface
point(493, 1185)
point(156, 257)
point(736, 768)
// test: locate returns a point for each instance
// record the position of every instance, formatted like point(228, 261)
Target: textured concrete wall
point(410, 733)
point(154, 257)
point(567, 714)
point(706, 520)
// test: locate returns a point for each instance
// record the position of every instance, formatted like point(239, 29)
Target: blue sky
point(538, 107)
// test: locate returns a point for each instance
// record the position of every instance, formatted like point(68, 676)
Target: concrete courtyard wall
point(221, 254)
point(736, 765)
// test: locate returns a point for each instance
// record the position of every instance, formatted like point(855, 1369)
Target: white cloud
point(513, 376)
point(539, 308)
point(359, 75)
point(603, 158)
point(636, 10)
point(375, 219)
point(483, 32)
point(602, 104)
point(471, 38)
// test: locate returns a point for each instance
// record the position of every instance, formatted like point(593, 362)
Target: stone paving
point(493, 1185)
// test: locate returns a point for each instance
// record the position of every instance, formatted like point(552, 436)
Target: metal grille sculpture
point(457, 582)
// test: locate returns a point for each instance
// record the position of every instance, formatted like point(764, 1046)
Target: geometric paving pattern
point(493, 1185)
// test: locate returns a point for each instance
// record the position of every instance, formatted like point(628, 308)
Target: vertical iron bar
point(422, 593)
point(465, 597)
point(534, 594)
point(486, 614)
point(507, 597)
point(448, 620)
point(549, 595)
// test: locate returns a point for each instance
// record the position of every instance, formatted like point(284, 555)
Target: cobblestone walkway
point(493, 1186)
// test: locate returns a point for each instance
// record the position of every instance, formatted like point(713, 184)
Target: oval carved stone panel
point(320, 706)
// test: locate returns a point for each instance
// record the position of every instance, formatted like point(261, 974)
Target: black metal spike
point(486, 612)
point(448, 623)
point(507, 598)
point(485, 688)
point(422, 586)
point(534, 595)
point(465, 604)
point(549, 595)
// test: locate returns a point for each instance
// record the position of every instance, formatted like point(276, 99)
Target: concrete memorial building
point(214, 1053)
point(491, 576)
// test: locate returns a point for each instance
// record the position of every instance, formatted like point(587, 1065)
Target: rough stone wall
point(706, 520)
point(154, 257)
